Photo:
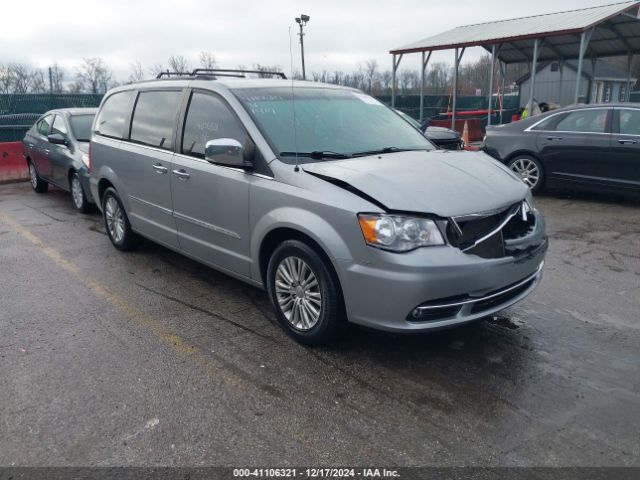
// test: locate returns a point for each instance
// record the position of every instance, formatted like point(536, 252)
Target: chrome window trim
point(148, 147)
point(235, 169)
point(530, 129)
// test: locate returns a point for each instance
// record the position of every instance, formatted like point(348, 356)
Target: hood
point(440, 133)
point(445, 183)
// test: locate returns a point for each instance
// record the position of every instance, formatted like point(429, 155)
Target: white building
point(556, 83)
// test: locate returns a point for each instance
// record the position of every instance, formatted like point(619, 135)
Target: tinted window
point(59, 126)
point(154, 118)
point(81, 127)
point(113, 114)
point(588, 121)
point(630, 122)
point(44, 126)
point(208, 118)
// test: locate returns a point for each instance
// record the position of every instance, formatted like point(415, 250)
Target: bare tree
point(385, 80)
point(265, 69)
point(438, 78)
point(57, 78)
point(370, 72)
point(137, 72)
point(156, 69)
point(408, 80)
point(5, 79)
point(93, 75)
point(38, 85)
point(178, 63)
point(208, 60)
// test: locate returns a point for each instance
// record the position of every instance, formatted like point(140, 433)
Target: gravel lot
point(148, 358)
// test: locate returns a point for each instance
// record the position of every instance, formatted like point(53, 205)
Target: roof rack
point(212, 73)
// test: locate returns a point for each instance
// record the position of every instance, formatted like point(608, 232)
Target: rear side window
point(154, 118)
point(585, 121)
point(209, 118)
point(546, 124)
point(630, 122)
point(113, 115)
point(44, 125)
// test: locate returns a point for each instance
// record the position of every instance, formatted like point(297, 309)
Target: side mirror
point(226, 151)
point(57, 139)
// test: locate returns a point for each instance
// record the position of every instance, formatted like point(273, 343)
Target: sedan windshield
point(81, 127)
point(343, 122)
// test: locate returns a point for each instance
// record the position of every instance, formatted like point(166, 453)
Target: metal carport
point(602, 31)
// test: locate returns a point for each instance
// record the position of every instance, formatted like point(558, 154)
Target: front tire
point(305, 293)
point(116, 222)
point(530, 170)
point(38, 185)
point(78, 194)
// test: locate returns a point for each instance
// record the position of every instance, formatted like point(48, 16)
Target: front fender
point(305, 222)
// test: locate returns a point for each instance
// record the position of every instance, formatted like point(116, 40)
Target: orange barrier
point(13, 166)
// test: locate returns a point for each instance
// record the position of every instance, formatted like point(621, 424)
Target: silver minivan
point(323, 196)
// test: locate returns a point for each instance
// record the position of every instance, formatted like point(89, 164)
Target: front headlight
point(399, 233)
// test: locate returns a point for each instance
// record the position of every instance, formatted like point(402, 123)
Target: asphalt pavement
point(148, 358)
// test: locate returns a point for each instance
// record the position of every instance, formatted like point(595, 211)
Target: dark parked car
point(591, 147)
point(441, 137)
point(56, 148)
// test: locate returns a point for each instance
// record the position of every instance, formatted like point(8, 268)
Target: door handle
point(160, 168)
point(46, 150)
point(31, 145)
point(554, 138)
point(181, 174)
point(626, 141)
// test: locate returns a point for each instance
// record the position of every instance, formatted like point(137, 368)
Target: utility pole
point(302, 20)
point(50, 82)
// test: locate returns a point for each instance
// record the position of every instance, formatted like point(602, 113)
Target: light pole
point(302, 21)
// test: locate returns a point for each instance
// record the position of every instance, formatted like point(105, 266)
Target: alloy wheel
point(33, 176)
point(115, 219)
point(76, 192)
point(527, 170)
point(298, 293)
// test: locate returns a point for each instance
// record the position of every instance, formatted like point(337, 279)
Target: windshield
point(81, 127)
point(339, 122)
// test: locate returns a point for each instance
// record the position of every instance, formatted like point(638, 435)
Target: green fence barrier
point(19, 111)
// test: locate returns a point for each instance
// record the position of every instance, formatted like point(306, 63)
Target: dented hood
point(445, 183)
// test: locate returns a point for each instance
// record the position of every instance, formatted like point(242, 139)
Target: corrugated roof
point(561, 24)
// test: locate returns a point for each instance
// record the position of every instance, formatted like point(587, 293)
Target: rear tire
point(305, 293)
point(530, 170)
point(38, 185)
point(78, 194)
point(116, 222)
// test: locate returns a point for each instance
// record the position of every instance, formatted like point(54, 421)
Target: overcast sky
point(341, 33)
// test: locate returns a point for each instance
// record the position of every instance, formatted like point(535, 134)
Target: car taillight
point(89, 159)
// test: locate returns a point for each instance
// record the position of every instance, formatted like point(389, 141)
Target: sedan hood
point(444, 183)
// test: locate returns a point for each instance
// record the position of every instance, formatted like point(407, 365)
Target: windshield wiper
point(316, 154)
point(385, 150)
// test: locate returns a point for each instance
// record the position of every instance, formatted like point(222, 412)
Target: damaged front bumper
point(437, 287)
